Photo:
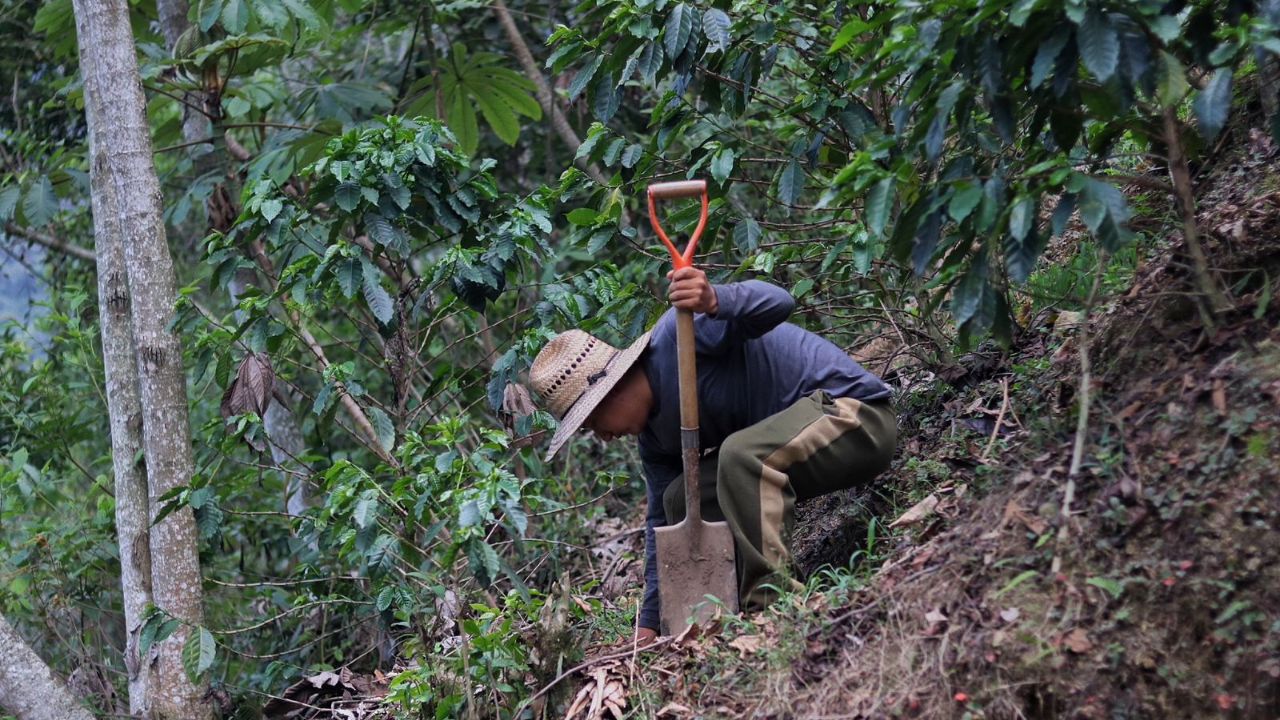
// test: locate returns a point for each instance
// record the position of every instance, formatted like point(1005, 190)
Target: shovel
point(695, 557)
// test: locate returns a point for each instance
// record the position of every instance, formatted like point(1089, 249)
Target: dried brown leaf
point(252, 388)
point(1077, 641)
point(747, 644)
point(917, 513)
point(516, 400)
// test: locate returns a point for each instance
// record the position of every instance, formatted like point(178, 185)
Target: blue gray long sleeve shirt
point(751, 364)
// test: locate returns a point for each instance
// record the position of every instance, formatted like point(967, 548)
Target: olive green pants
point(752, 481)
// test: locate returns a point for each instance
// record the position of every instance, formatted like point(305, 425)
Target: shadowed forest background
point(273, 272)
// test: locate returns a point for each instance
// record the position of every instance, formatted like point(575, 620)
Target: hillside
point(1153, 597)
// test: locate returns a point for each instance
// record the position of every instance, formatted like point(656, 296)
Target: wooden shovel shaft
point(685, 349)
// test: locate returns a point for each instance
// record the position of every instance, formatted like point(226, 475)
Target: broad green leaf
point(967, 294)
point(1099, 44)
point(926, 241)
point(385, 597)
point(210, 11)
point(966, 197)
point(594, 134)
point(39, 204)
point(350, 275)
point(157, 629)
point(607, 98)
point(301, 9)
point(1173, 81)
point(1114, 588)
point(497, 113)
point(270, 208)
point(599, 240)
point(1213, 103)
point(270, 13)
point(583, 216)
point(9, 202)
point(1020, 254)
point(347, 195)
point(1020, 11)
point(879, 205)
point(613, 152)
point(462, 121)
point(383, 427)
point(632, 155)
point(1021, 217)
point(746, 236)
point(516, 91)
point(580, 80)
point(791, 183)
point(676, 33)
point(715, 27)
point(1047, 55)
point(235, 16)
point(722, 165)
point(847, 33)
point(198, 653)
point(801, 288)
point(374, 294)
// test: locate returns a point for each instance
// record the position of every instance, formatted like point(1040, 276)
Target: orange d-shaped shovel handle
point(670, 191)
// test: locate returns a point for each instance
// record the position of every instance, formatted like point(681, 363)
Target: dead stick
point(1004, 405)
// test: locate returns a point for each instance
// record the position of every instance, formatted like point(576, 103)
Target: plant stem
point(1213, 301)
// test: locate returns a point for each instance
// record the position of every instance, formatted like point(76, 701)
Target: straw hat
point(574, 372)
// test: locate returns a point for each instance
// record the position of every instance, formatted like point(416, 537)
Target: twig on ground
point(995, 431)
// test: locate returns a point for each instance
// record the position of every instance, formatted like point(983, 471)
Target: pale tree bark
point(124, 410)
point(121, 157)
point(28, 688)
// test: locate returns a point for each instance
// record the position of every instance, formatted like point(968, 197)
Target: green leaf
point(157, 629)
point(594, 134)
point(791, 183)
point(270, 208)
point(497, 113)
point(1173, 81)
point(801, 288)
point(676, 33)
point(579, 82)
point(210, 11)
point(270, 13)
point(9, 202)
point(583, 216)
point(632, 155)
point(1047, 55)
point(347, 195)
point(1113, 588)
point(374, 294)
point(613, 152)
point(715, 27)
point(39, 204)
point(966, 197)
point(301, 9)
point(197, 653)
point(1020, 11)
point(746, 236)
point(235, 16)
point(607, 98)
point(366, 509)
point(1213, 104)
point(847, 33)
point(383, 427)
point(967, 295)
point(722, 165)
point(1021, 216)
point(599, 239)
point(385, 597)
point(1020, 254)
point(462, 121)
point(879, 205)
point(350, 275)
point(1099, 44)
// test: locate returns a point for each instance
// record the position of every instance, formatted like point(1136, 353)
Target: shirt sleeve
point(746, 311)
point(658, 475)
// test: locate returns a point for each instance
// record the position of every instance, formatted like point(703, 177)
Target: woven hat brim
point(591, 397)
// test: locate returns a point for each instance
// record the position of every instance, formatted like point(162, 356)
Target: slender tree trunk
point(124, 408)
point(28, 688)
point(1212, 301)
point(121, 157)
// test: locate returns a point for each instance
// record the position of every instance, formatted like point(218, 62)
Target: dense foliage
point(378, 209)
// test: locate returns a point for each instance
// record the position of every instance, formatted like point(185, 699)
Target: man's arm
point(728, 314)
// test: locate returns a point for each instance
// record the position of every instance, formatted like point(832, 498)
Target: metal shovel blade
point(695, 559)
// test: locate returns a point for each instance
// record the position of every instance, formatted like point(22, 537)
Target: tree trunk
point(28, 688)
point(121, 158)
point(124, 409)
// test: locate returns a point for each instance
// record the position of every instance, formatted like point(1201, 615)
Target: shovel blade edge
point(694, 561)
